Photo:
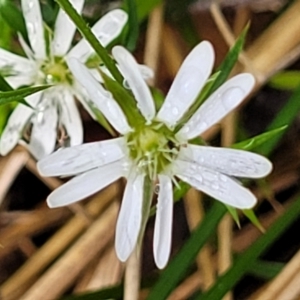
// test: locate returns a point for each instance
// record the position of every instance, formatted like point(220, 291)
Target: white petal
point(106, 30)
point(215, 184)
point(163, 222)
point(34, 24)
point(44, 127)
point(14, 128)
point(25, 47)
point(130, 70)
point(130, 217)
point(81, 158)
point(20, 68)
point(232, 162)
point(189, 81)
point(18, 119)
point(217, 106)
point(101, 98)
point(64, 29)
point(85, 185)
point(70, 118)
point(146, 72)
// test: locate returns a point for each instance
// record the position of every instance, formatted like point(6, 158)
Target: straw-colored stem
point(195, 214)
point(282, 280)
point(25, 275)
point(153, 40)
point(62, 274)
point(132, 276)
point(281, 37)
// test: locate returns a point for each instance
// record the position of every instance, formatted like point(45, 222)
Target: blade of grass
point(241, 266)
point(178, 267)
point(133, 25)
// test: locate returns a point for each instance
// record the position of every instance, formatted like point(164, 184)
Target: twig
point(25, 275)
point(62, 274)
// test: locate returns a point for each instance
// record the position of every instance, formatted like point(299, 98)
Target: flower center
point(152, 148)
point(56, 71)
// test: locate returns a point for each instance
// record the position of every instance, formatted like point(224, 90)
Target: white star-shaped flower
point(154, 149)
point(55, 108)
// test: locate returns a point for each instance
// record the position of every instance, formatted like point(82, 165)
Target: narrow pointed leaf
point(13, 17)
point(242, 264)
point(285, 80)
point(250, 214)
point(125, 100)
point(133, 25)
point(285, 117)
point(178, 267)
point(20, 94)
point(260, 139)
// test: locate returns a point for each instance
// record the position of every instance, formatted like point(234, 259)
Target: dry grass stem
point(132, 276)
point(171, 50)
point(108, 271)
point(10, 167)
point(27, 224)
point(195, 213)
point(280, 283)
point(62, 274)
point(153, 40)
point(26, 275)
point(282, 36)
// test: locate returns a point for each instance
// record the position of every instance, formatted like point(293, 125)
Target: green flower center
point(152, 148)
point(56, 71)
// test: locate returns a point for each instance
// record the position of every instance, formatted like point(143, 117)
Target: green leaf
point(285, 117)
point(4, 86)
point(144, 8)
point(234, 214)
point(250, 214)
point(244, 262)
point(125, 100)
point(265, 269)
point(87, 33)
point(230, 60)
point(13, 17)
point(20, 94)
point(285, 80)
point(133, 25)
point(260, 139)
point(179, 265)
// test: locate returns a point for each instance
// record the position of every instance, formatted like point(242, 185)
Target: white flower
point(55, 109)
point(154, 149)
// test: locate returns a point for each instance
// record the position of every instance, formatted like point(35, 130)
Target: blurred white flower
point(154, 149)
point(55, 113)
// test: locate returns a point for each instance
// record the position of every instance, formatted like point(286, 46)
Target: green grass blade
point(241, 266)
point(133, 25)
point(178, 267)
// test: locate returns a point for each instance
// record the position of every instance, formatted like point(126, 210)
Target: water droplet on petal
point(175, 111)
point(223, 178)
point(126, 84)
point(232, 97)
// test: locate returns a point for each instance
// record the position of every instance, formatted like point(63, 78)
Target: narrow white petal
point(163, 222)
point(130, 70)
point(81, 158)
point(101, 98)
point(218, 105)
point(64, 29)
point(232, 162)
point(14, 128)
point(44, 127)
point(187, 84)
point(130, 217)
point(215, 184)
point(19, 70)
point(34, 24)
point(146, 72)
point(70, 118)
point(85, 185)
point(25, 47)
point(106, 30)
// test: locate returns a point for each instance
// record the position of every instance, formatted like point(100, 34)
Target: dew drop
point(126, 84)
point(175, 111)
point(215, 186)
point(232, 96)
point(202, 126)
point(223, 178)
